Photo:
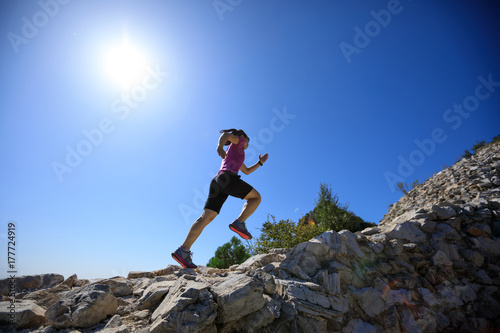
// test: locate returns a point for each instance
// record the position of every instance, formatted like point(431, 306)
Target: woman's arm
point(223, 139)
point(247, 171)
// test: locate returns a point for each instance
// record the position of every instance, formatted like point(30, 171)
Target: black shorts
point(224, 185)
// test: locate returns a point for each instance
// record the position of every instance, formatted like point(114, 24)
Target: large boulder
point(260, 260)
point(312, 299)
point(444, 212)
point(47, 297)
point(409, 231)
point(31, 282)
point(305, 259)
point(237, 297)
point(154, 294)
point(188, 307)
point(24, 314)
point(119, 286)
point(256, 320)
point(83, 307)
point(370, 300)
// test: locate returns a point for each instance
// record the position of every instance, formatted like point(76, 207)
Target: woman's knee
point(208, 215)
point(254, 194)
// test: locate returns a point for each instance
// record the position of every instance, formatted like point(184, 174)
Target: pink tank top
point(235, 155)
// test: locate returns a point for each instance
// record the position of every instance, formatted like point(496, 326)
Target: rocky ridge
point(432, 265)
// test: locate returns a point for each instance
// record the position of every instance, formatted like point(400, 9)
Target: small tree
point(231, 253)
point(284, 234)
point(275, 235)
point(475, 148)
point(478, 145)
point(330, 214)
point(402, 187)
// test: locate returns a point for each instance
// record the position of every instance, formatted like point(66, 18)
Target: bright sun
point(125, 64)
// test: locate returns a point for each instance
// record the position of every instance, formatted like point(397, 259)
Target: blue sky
point(101, 181)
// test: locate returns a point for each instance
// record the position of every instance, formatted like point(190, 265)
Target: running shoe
point(239, 227)
point(183, 257)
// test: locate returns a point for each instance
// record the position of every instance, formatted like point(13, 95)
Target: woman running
point(227, 182)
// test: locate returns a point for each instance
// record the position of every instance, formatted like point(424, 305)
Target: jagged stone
point(444, 213)
point(408, 322)
point(237, 297)
point(31, 282)
point(490, 246)
point(370, 300)
point(370, 231)
point(153, 295)
point(115, 325)
point(311, 299)
point(119, 286)
point(137, 275)
point(351, 241)
point(474, 256)
point(47, 297)
point(397, 297)
point(80, 282)
point(83, 307)
point(188, 307)
point(70, 281)
point(376, 247)
point(391, 320)
point(381, 239)
point(256, 320)
point(449, 297)
point(333, 241)
point(439, 244)
point(359, 326)
point(483, 277)
point(330, 281)
point(120, 329)
point(260, 260)
point(301, 263)
point(409, 231)
point(24, 314)
point(427, 226)
point(429, 298)
point(450, 234)
point(440, 259)
point(267, 280)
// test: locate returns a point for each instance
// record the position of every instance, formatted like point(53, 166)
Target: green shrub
point(329, 214)
point(231, 253)
point(283, 234)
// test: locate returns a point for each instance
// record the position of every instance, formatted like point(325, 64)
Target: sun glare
point(125, 64)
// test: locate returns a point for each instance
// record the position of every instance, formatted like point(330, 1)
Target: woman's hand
point(264, 158)
point(221, 151)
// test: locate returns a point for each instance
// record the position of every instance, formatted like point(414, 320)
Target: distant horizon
point(112, 111)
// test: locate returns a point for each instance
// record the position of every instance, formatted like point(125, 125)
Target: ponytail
point(236, 132)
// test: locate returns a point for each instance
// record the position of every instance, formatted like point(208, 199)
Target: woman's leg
point(253, 200)
point(206, 217)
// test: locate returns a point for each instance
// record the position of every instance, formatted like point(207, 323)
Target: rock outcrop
point(431, 265)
